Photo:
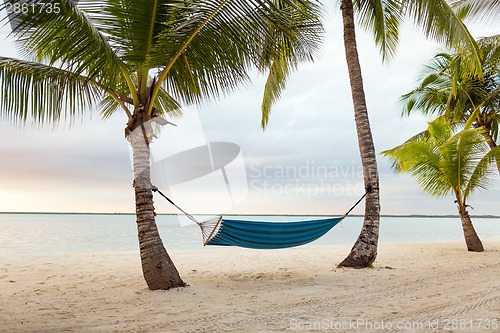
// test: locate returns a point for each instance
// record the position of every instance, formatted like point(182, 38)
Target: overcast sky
point(306, 162)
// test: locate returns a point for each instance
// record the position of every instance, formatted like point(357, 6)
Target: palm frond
point(281, 51)
point(382, 18)
point(125, 24)
point(461, 154)
point(210, 66)
point(67, 39)
point(481, 10)
point(108, 106)
point(439, 20)
point(133, 28)
point(276, 81)
point(422, 160)
point(432, 94)
point(480, 177)
point(210, 52)
point(43, 94)
point(167, 105)
point(421, 157)
point(439, 130)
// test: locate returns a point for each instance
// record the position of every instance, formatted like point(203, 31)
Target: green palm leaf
point(43, 94)
point(275, 83)
point(382, 18)
point(252, 36)
point(282, 52)
point(479, 9)
point(67, 39)
point(440, 21)
point(164, 103)
point(423, 162)
point(482, 174)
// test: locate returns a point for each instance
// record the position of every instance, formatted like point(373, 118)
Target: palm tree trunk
point(157, 267)
point(364, 251)
point(490, 141)
point(471, 238)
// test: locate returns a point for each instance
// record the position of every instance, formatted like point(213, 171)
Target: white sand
point(426, 286)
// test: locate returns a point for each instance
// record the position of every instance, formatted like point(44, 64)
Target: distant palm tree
point(145, 58)
point(450, 89)
point(443, 163)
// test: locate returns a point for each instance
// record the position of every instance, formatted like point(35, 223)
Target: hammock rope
point(207, 227)
point(262, 235)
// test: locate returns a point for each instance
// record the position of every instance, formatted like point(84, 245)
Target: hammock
point(262, 235)
point(267, 235)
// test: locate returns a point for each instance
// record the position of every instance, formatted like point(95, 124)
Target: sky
point(305, 162)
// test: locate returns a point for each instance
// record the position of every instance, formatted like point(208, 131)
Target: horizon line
point(241, 214)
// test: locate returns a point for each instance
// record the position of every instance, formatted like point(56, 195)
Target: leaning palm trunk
point(471, 238)
point(489, 140)
point(157, 267)
point(364, 250)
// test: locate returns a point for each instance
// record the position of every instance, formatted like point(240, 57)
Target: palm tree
point(145, 58)
point(450, 89)
point(382, 17)
point(443, 163)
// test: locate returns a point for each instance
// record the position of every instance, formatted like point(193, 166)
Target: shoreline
point(175, 250)
point(235, 289)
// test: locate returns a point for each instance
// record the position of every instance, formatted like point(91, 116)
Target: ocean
point(73, 233)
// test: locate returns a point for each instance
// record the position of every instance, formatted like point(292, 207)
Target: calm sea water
point(47, 233)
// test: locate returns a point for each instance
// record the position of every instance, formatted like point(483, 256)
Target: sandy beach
point(424, 287)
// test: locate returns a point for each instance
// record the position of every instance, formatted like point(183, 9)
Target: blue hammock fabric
point(270, 235)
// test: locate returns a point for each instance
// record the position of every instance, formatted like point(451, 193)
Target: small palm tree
point(443, 163)
point(145, 58)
